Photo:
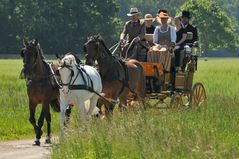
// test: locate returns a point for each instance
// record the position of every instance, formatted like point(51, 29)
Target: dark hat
point(162, 10)
point(186, 14)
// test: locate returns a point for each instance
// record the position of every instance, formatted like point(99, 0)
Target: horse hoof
point(36, 143)
point(48, 141)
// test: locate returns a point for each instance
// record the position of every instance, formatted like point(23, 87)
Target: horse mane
point(104, 45)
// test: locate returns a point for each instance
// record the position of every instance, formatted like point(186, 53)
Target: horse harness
point(85, 86)
point(88, 85)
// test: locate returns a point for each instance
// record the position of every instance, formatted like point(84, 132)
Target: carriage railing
point(192, 52)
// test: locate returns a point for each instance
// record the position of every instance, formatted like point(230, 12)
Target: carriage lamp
point(195, 51)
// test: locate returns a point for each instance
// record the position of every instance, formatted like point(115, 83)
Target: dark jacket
point(150, 30)
point(133, 30)
point(192, 29)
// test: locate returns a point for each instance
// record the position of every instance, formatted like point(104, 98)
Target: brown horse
point(42, 87)
point(119, 77)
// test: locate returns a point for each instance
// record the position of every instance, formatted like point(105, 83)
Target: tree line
point(60, 25)
point(64, 25)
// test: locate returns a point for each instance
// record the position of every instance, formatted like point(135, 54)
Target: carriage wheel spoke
point(198, 96)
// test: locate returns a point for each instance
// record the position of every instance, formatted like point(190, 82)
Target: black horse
point(42, 87)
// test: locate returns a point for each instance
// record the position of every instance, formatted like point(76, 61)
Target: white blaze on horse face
point(65, 75)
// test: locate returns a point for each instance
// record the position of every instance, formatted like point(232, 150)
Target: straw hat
point(133, 11)
point(163, 15)
point(148, 17)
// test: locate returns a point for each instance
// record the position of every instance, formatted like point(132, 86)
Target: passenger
point(180, 31)
point(192, 33)
point(188, 27)
point(164, 35)
point(133, 30)
point(164, 11)
point(148, 19)
point(180, 42)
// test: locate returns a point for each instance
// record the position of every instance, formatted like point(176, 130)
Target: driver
point(133, 30)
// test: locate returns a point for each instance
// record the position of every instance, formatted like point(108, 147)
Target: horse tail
point(55, 105)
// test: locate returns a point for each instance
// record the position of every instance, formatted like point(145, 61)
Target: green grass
point(150, 134)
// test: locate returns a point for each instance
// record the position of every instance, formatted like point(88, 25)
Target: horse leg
point(82, 111)
point(68, 114)
point(48, 120)
point(93, 110)
point(123, 103)
point(63, 115)
point(32, 108)
point(40, 123)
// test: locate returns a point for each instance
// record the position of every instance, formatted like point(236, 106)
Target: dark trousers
point(179, 56)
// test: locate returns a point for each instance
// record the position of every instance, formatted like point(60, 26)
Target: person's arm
point(173, 35)
point(155, 35)
point(142, 32)
point(124, 32)
point(184, 37)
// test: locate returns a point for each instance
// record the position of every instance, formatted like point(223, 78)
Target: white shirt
point(173, 35)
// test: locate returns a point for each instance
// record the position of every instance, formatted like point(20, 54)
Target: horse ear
point(24, 41)
point(98, 36)
point(36, 42)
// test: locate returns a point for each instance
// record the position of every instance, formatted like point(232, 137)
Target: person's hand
point(177, 47)
point(172, 44)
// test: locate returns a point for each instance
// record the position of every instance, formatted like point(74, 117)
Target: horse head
point(95, 49)
point(31, 53)
point(66, 71)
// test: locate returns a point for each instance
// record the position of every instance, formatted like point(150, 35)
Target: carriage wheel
point(176, 101)
point(198, 97)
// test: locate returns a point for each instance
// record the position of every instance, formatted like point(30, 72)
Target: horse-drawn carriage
point(162, 81)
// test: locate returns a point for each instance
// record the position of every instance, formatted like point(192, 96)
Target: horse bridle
point(98, 55)
point(35, 60)
point(72, 75)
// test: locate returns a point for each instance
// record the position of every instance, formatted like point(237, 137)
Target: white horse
point(72, 77)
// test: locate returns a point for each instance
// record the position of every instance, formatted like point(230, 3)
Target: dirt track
point(23, 149)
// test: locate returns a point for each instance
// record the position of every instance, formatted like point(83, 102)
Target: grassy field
point(151, 134)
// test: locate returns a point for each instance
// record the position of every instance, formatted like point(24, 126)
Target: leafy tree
point(216, 28)
point(60, 25)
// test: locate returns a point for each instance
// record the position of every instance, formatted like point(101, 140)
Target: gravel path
point(23, 149)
